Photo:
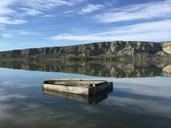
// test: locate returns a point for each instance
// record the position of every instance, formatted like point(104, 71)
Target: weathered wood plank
point(82, 87)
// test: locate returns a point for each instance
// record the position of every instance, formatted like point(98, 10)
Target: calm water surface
point(136, 102)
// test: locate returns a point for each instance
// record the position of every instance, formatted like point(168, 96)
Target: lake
point(141, 96)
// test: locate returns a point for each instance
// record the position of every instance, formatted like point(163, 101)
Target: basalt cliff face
point(94, 50)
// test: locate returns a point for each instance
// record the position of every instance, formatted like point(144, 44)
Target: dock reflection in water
point(95, 99)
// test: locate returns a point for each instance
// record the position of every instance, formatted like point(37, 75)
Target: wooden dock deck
point(74, 86)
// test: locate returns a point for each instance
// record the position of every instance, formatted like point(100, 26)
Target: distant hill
point(94, 50)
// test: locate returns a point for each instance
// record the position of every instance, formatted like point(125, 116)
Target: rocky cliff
point(94, 50)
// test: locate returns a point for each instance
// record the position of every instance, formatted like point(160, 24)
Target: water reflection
point(143, 95)
point(117, 68)
point(134, 102)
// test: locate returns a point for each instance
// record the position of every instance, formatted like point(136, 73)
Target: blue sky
point(41, 23)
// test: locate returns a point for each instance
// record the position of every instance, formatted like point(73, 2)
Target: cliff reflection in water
point(143, 68)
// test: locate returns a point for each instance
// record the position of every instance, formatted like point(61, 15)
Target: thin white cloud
point(31, 12)
point(34, 8)
point(8, 20)
point(68, 12)
point(7, 13)
point(145, 11)
point(150, 31)
point(91, 8)
point(13, 16)
point(4, 9)
point(6, 2)
point(16, 33)
point(40, 4)
point(48, 15)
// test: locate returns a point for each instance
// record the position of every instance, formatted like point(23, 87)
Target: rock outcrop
point(167, 69)
point(167, 49)
point(94, 50)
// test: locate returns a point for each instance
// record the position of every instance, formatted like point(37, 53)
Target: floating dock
point(79, 87)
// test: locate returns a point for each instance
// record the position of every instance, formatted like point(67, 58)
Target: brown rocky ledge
point(94, 50)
